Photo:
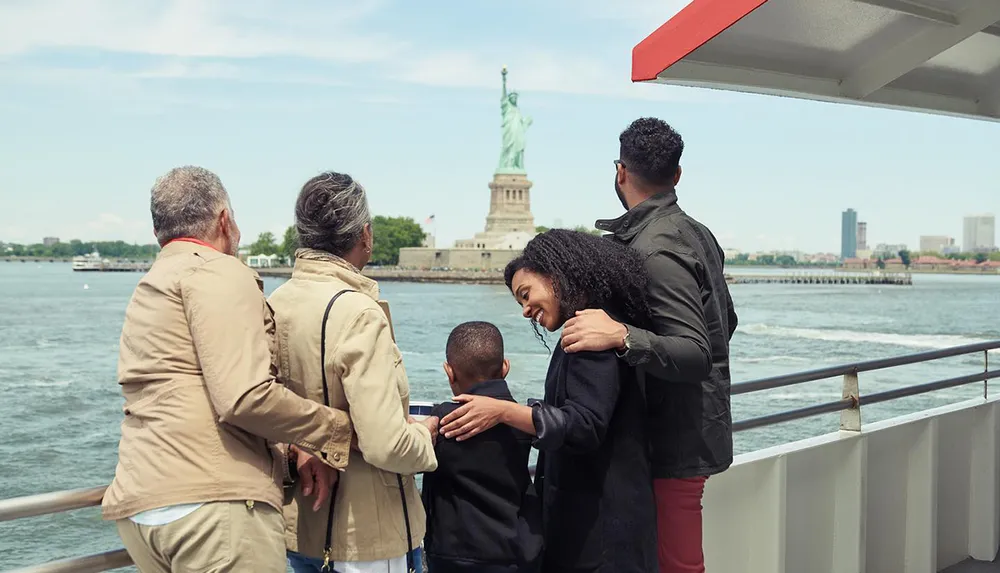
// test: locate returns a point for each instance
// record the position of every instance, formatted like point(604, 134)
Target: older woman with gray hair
point(335, 346)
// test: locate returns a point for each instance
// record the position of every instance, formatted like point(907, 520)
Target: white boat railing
point(760, 549)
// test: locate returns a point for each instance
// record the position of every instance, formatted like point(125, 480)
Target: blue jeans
point(302, 564)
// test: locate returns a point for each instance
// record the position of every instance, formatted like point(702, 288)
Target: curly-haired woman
point(593, 469)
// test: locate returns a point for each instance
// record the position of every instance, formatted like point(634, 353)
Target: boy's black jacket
point(480, 503)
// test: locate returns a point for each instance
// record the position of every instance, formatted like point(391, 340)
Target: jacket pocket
point(394, 506)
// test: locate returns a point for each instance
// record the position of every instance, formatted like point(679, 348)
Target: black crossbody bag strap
point(328, 549)
point(406, 519)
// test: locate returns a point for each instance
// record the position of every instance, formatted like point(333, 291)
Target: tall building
point(861, 244)
point(849, 234)
point(979, 234)
point(936, 244)
point(49, 241)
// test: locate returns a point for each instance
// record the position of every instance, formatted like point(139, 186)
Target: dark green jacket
point(684, 359)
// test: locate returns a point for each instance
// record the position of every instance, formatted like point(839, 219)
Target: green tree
point(391, 235)
point(290, 243)
point(765, 260)
point(880, 263)
point(541, 229)
point(785, 260)
point(981, 258)
point(904, 256)
point(585, 229)
point(265, 244)
point(995, 256)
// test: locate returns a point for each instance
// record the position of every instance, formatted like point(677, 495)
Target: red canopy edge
point(697, 23)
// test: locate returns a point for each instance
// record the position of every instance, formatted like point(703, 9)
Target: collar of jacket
point(204, 250)
point(311, 264)
point(492, 388)
point(635, 219)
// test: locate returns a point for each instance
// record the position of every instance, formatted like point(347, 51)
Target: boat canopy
point(936, 56)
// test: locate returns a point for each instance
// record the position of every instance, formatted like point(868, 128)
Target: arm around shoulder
point(225, 313)
point(676, 347)
point(371, 370)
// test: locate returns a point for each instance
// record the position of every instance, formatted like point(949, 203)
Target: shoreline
point(495, 277)
point(792, 275)
point(409, 276)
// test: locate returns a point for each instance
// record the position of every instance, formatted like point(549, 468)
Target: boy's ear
point(449, 372)
point(506, 367)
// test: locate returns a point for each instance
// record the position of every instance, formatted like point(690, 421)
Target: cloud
point(531, 71)
point(251, 41)
point(196, 28)
point(641, 15)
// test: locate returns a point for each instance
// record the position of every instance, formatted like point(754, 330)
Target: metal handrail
point(866, 366)
point(55, 502)
point(90, 564)
point(851, 402)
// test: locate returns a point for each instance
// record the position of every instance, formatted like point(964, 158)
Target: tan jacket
point(365, 376)
point(201, 401)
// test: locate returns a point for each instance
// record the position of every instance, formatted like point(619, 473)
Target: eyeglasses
point(619, 162)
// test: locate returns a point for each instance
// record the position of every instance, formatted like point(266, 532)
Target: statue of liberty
point(514, 127)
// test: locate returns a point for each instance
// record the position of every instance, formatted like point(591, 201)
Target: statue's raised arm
point(503, 74)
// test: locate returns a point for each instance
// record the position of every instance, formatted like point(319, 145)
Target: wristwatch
point(626, 342)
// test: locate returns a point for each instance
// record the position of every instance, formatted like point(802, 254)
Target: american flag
point(429, 220)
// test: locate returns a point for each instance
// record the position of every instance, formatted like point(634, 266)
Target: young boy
point(482, 511)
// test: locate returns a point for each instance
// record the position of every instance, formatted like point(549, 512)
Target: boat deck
point(970, 566)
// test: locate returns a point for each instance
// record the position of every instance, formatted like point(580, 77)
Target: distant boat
point(91, 262)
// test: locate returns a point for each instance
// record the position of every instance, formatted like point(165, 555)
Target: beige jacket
point(365, 376)
point(201, 401)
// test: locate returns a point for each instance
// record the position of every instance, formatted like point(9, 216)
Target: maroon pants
point(678, 524)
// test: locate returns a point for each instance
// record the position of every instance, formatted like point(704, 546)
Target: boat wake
point(923, 341)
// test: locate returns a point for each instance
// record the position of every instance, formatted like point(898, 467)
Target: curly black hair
point(587, 272)
point(651, 149)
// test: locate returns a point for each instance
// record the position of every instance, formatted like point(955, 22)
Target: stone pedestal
point(509, 224)
point(510, 205)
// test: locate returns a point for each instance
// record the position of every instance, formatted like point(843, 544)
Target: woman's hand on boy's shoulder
point(476, 415)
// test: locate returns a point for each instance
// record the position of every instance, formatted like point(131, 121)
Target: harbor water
point(60, 405)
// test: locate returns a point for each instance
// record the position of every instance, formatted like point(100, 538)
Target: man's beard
point(234, 241)
point(621, 196)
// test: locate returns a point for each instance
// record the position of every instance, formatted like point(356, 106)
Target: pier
point(870, 278)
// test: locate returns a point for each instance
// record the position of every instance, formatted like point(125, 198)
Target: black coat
point(684, 357)
point(594, 478)
point(480, 502)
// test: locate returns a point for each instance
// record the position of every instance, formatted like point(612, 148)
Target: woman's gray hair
point(185, 203)
point(331, 213)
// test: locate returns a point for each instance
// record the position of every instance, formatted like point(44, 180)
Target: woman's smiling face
point(537, 298)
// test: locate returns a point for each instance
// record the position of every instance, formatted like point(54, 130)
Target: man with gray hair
point(202, 459)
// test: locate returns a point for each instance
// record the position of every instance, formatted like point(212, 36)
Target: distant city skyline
point(979, 235)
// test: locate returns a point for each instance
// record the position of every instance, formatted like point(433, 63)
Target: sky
point(99, 97)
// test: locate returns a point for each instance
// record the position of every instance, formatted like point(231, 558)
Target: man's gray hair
point(331, 213)
point(185, 203)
